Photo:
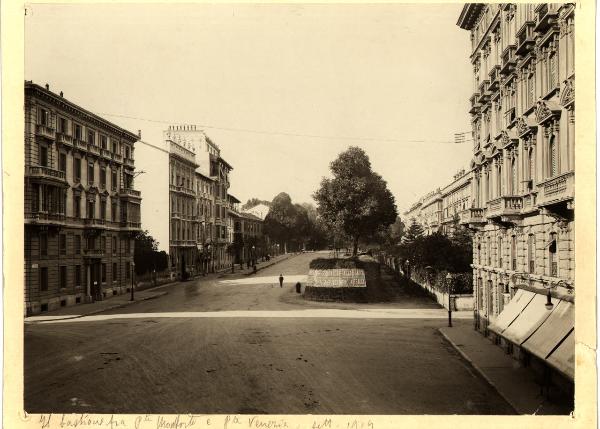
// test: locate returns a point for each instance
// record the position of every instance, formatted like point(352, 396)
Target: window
point(114, 147)
point(552, 259)
point(513, 252)
point(489, 252)
point(103, 210)
point(77, 275)
point(62, 162)
point(63, 244)
point(91, 209)
point(103, 241)
point(103, 177)
point(114, 272)
point(103, 273)
point(44, 117)
point(77, 206)
point(77, 244)
point(63, 126)
point(500, 252)
point(113, 209)
point(490, 298)
point(103, 142)
point(531, 253)
point(114, 245)
point(553, 157)
point(90, 173)
point(91, 137)
point(113, 180)
point(77, 169)
point(43, 156)
point(127, 152)
point(63, 276)
point(44, 278)
point(43, 244)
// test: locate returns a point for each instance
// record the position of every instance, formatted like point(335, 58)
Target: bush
point(331, 263)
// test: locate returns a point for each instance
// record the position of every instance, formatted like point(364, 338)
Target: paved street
point(242, 344)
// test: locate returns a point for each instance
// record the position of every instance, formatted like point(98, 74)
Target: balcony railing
point(45, 131)
point(553, 269)
point(528, 202)
point(182, 190)
point(128, 192)
point(117, 157)
point(65, 139)
point(95, 223)
point(494, 78)
point(510, 117)
point(131, 225)
point(525, 39)
point(94, 149)
point(45, 218)
point(556, 189)
point(106, 153)
point(504, 206)
point(80, 144)
point(93, 253)
point(472, 216)
point(508, 60)
point(129, 162)
point(475, 103)
point(40, 172)
point(546, 15)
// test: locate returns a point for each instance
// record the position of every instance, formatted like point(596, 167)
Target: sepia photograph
point(262, 210)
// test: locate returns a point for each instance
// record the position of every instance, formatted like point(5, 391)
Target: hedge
point(331, 263)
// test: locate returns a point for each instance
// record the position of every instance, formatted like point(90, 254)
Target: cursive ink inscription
point(257, 423)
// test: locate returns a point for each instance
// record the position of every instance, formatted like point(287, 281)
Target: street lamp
point(549, 305)
point(449, 284)
point(132, 274)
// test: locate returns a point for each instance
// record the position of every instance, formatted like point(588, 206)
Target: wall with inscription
point(337, 278)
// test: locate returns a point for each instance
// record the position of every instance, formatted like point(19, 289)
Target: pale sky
point(377, 72)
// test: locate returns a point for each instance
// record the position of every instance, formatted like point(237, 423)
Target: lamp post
point(553, 285)
point(132, 274)
point(449, 285)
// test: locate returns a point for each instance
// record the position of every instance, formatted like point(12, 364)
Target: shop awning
point(530, 319)
point(512, 310)
point(563, 358)
point(556, 327)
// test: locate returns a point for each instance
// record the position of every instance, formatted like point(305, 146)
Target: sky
point(271, 84)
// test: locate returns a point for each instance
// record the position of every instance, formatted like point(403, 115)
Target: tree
point(413, 233)
point(279, 222)
point(146, 255)
point(356, 199)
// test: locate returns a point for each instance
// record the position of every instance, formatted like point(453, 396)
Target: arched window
point(515, 176)
point(500, 252)
point(499, 182)
point(552, 255)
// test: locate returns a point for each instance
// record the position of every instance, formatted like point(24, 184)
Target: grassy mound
point(331, 263)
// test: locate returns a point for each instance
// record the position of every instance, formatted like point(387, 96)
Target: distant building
point(259, 210)
point(523, 119)
point(81, 209)
point(441, 210)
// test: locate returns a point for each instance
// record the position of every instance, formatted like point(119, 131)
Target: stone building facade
point(81, 211)
point(523, 122)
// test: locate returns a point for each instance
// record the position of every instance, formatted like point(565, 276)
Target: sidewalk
point(111, 303)
point(516, 384)
point(259, 266)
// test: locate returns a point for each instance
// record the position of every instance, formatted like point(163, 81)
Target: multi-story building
point(81, 211)
point(523, 120)
point(249, 243)
point(441, 209)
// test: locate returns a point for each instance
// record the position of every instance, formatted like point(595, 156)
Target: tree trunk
point(355, 246)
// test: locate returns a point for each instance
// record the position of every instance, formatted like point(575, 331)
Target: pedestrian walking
point(280, 280)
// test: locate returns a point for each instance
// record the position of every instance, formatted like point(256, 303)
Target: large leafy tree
point(253, 202)
point(356, 200)
point(280, 221)
point(146, 255)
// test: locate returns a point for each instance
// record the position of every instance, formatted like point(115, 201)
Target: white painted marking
point(368, 313)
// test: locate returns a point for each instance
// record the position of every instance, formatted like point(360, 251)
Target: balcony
point(509, 60)
point(129, 162)
point(93, 253)
point(525, 39)
point(475, 104)
point(176, 215)
point(472, 216)
point(546, 15)
point(94, 149)
point(529, 203)
point(45, 131)
point(130, 193)
point(65, 139)
point(116, 157)
point(182, 190)
point(494, 78)
point(47, 174)
point(556, 190)
point(44, 218)
point(94, 223)
point(79, 144)
point(504, 206)
point(106, 153)
point(131, 225)
point(484, 91)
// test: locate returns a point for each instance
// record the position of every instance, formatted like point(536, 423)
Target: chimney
point(47, 87)
point(140, 134)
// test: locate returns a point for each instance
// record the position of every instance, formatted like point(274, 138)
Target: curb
point(481, 373)
point(269, 265)
point(125, 304)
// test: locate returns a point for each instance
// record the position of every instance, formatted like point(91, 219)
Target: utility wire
point(282, 133)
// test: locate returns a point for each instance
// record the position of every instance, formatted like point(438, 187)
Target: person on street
point(280, 280)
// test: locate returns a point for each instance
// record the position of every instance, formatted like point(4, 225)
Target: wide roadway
point(242, 344)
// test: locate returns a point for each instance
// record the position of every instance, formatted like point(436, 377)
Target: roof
point(205, 177)
point(33, 87)
point(250, 216)
point(232, 198)
point(225, 162)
